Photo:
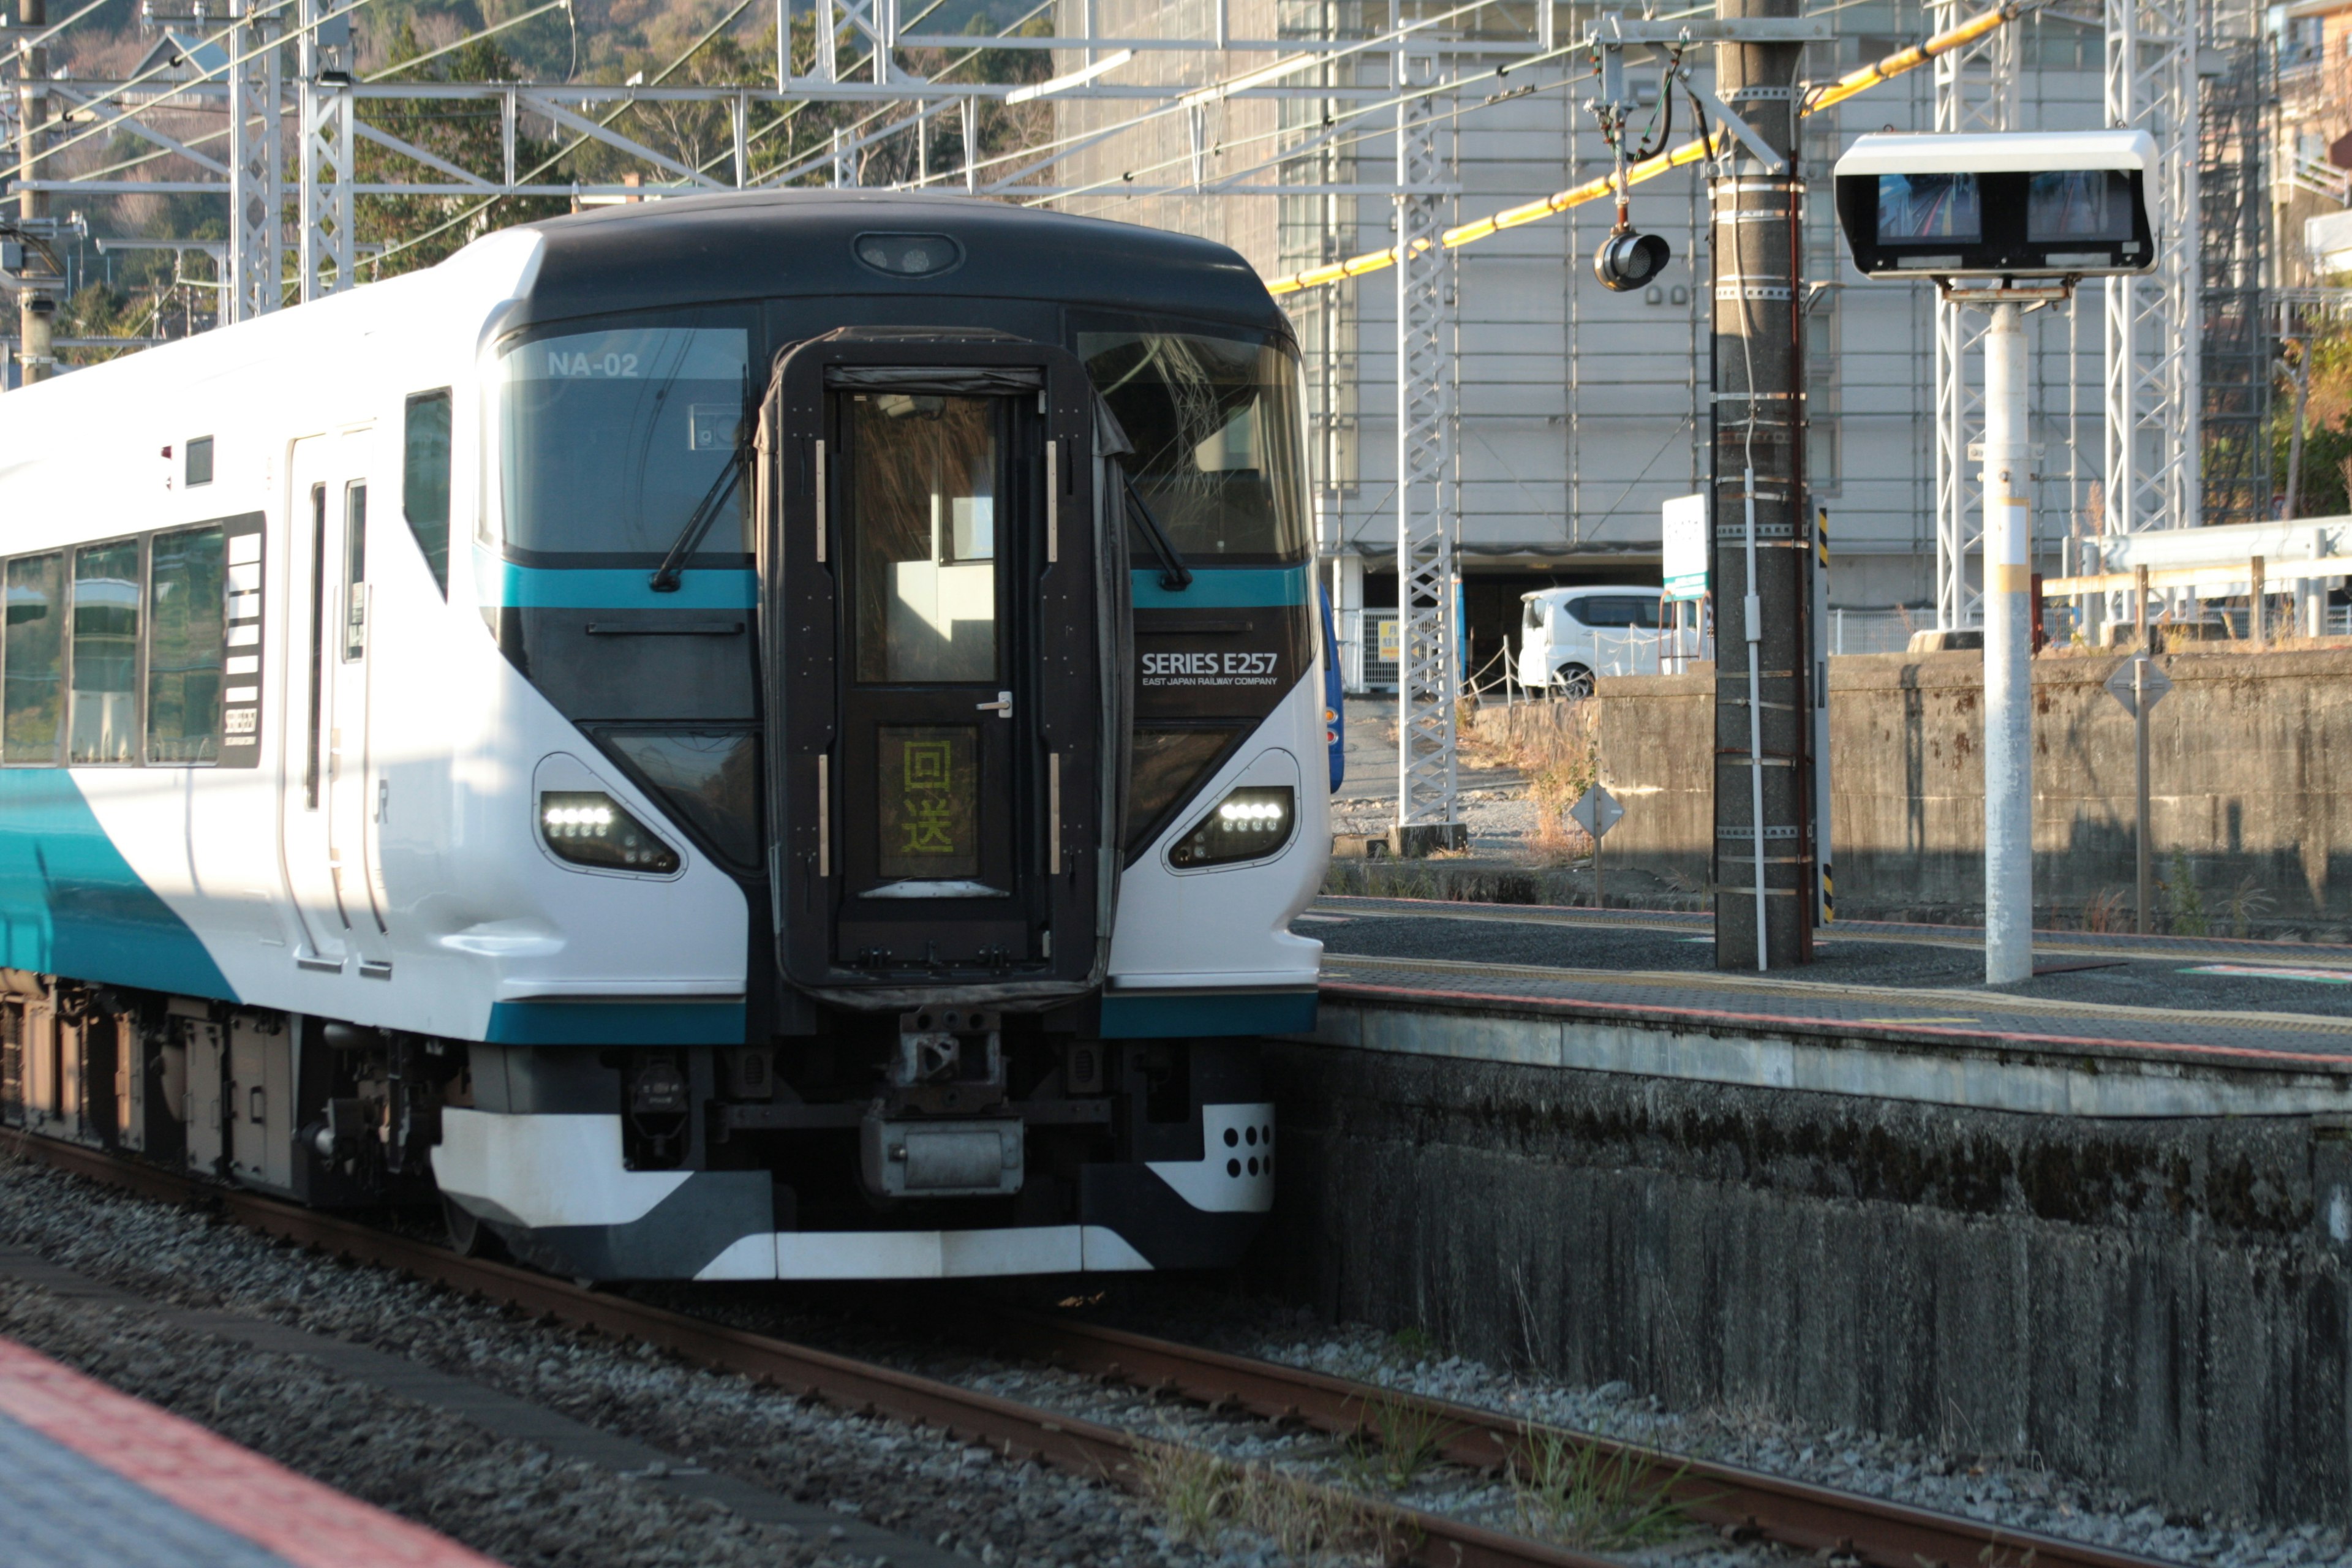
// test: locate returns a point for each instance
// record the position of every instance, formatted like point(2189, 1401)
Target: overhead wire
point(1377, 40)
point(578, 141)
point(1822, 96)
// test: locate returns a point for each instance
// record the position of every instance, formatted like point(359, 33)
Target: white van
point(1557, 647)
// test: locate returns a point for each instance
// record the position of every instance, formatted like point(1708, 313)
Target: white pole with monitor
point(2009, 222)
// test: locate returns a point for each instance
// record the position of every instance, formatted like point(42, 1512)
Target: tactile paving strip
point(163, 1468)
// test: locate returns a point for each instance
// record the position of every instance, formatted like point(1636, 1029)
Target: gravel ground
point(503, 1499)
point(1501, 818)
point(508, 1500)
point(1246, 1441)
point(1958, 1479)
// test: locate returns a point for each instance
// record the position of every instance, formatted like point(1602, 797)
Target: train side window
point(200, 461)
point(32, 716)
point(355, 597)
point(106, 591)
point(424, 480)
point(187, 632)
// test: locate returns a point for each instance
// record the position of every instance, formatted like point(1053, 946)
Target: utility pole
point(1762, 545)
point(37, 307)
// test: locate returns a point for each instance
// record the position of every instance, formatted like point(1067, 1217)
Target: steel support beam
point(256, 267)
point(328, 233)
point(35, 307)
point(1764, 852)
point(1428, 811)
point(1976, 89)
point(2153, 321)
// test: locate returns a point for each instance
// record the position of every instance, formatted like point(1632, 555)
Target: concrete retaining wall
point(2157, 1303)
point(2250, 777)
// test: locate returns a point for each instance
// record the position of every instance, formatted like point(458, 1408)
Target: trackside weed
point(2247, 905)
point(1581, 1495)
point(1394, 1441)
point(1198, 1493)
point(1192, 1487)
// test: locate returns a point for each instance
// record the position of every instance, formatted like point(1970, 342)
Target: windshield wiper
point(1174, 575)
point(666, 576)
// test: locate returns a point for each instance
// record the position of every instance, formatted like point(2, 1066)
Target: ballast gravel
point(508, 1500)
point(436, 1469)
point(503, 1499)
point(1977, 1483)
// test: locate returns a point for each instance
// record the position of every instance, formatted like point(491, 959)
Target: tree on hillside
point(418, 231)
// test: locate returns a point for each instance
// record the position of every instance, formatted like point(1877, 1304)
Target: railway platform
point(2104, 1215)
point(90, 1478)
point(2111, 1025)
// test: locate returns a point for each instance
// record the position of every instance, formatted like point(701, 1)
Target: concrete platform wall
point(2251, 775)
point(2157, 1303)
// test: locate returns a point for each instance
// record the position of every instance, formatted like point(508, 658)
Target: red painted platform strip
point(303, 1521)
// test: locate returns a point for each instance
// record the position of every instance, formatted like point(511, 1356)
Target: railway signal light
point(1628, 261)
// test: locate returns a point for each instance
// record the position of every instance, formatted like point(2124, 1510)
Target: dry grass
point(2106, 912)
point(1199, 1493)
point(1555, 746)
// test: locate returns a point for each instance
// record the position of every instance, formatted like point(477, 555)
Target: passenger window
point(105, 654)
point(1534, 621)
point(200, 461)
point(31, 714)
point(355, 597)
point(187, 627)
point(425, 480)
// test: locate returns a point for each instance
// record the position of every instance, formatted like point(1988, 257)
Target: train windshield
point(1214, 421)
point(611, 437)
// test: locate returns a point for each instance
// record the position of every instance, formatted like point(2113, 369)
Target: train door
point(937, 661)
point(327, 806)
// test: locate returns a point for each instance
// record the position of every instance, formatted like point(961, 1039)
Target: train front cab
point(946, 640)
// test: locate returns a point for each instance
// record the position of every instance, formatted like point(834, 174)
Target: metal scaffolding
point(1427, 805)
point(2239, 347)
point(2153, 322)
point(241, 69)
point(1976, 89)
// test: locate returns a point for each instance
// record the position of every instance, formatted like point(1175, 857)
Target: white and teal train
point(744, 737)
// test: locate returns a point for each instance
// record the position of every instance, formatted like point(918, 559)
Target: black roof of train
point(769, 244)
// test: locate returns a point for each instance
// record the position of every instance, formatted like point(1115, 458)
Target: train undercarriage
point(934, 1142)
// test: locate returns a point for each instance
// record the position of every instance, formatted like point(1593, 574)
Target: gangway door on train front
point(942, 717)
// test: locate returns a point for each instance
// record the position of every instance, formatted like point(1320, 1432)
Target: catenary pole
point(1762, 546)
point(2008, 657)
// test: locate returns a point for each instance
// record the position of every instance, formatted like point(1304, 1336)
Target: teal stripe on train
point(1223, 588)
point(505, 584)
point(71, 905)
point(1168, 1015)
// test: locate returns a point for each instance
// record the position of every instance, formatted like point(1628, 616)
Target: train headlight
point(590, 828)
point(1247, 825)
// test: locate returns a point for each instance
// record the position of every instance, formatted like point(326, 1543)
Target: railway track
point(1742, 1504)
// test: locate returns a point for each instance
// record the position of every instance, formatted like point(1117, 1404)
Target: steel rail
point(1019, 1432)
point(1738, 1502)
